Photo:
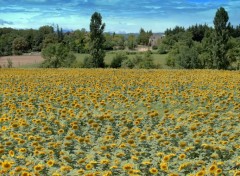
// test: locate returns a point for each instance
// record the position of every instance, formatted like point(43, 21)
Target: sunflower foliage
point(119, 122)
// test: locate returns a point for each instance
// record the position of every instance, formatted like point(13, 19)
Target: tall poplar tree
point(97, 40)
point(221, 38)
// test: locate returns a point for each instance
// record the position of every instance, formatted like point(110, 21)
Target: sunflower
point(237, 173)
point(50, 163)
point(218, 171)
point(11, 153)
point(166, 158)
point(153, 170)
point(164, 166)
point(25, 174)
point(213, 168)
point(104, 161)
point(89, 166)
point(18, 169)
point(6, 165)
point(182, 156)
point(38, 167)
point(128, 166)
point(200, 173)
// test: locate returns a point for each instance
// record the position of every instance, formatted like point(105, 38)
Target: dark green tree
point(57, 55)
point(143, 37)
point(19, 45)
point(97, 40)
point(221, 38)
point(198, 31)
point(131, 41)
point(118, 59)
point(60, 34)
point(49, 39)
point(109, 42)
point(175, 30)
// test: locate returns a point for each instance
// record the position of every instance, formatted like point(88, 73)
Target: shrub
point(57, 55)
point(10, 63)
point(77, 64)
point(139, 61)
point(154, 47)
point(88, 62)
point(170, 62)
point(128, 63)
point(118, 59)
point(162, 49)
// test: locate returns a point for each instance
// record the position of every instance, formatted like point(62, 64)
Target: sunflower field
point(103, 122)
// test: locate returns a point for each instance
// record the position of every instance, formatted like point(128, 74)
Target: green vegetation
point(197, 47)
point(158, 59)
point(201, 46)
point(57, 55)
point(97, 40)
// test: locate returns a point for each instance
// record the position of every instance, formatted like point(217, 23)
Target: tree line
point(19, 41)
point(201, 46)
point(198, 46)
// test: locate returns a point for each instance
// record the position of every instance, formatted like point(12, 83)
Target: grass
point(157, 58)
point(35, 65)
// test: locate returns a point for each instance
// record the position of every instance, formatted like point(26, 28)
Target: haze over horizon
point(120, 16)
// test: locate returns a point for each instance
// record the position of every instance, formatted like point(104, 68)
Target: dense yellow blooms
point(119, 122)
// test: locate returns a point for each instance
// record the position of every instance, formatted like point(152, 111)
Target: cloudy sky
point(119, 15)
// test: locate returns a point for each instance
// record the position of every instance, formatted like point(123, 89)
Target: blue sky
point(119, 15)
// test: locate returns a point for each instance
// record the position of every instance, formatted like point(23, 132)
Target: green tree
point(184, 53)
point(207, 53)
point(143, 37)
point(60, 34)
point(19, 45)
point(44, 30)
point(119, 41)
point(118, 59)
point(57, 55)
point(131, 42)
point(198, 31)
point(175, 30)
point(233, 53)
point(97, 40)
point(221, 38)
point(109, 42)
point(49, 39)
point(77, 41)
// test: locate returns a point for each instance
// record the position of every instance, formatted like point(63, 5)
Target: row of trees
point(201, 46)
point(17, 42)
point(58, 47)
point(198, 46)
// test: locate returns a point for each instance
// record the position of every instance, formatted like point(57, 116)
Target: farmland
point(35, 60)
point(119, 122)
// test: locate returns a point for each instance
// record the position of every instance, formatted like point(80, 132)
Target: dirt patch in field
point(23, 60)
point(142, 48)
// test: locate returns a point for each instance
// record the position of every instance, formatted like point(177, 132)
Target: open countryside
point(114, 96)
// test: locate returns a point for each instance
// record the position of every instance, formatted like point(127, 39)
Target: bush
point(154, 47)
point(77, 64)
point(118, 59)
point(88, 62)
point(145, 62)
point(127, 63)
point(171, 62)
point(162, 49)
point(57, 55)
point(10, 63)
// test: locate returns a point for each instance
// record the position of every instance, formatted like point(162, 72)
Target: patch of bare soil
point(142, 48)
point(19, 61)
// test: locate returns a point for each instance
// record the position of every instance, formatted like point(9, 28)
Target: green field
point(158, 58)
